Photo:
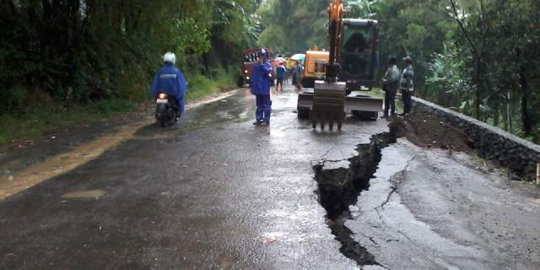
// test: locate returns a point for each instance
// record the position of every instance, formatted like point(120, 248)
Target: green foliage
point(77, 52)
point(99, 56)
point(189, 38)
point(361, 8)
point(480, 58)
point(293, 26)
point(200, 86)
point(497, 41)
point(445, 84)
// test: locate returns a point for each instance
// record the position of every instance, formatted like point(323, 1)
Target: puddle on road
point(84, 194)
point(11, 184)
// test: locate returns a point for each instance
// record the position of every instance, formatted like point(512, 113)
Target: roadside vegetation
point(479, 57)
point(49, 115)
point(65, 62)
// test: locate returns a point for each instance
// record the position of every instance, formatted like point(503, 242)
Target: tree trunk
point(496, 116)
point(505, 119)
point(496, 120)
point(205, 62)
point(478, 88)
point(525, 117)
point(509, 111)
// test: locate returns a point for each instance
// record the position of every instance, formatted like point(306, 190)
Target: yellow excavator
point(330, 76)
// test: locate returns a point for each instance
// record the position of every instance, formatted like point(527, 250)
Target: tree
point(79, 51)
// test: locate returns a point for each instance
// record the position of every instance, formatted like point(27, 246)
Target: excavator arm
point(335, 18)
point(328, 101)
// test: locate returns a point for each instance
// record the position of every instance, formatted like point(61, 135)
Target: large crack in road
point(340, 185)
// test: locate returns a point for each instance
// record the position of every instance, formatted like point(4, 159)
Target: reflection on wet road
point(214, 192)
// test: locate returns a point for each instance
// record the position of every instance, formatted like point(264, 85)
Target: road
point(219, 193)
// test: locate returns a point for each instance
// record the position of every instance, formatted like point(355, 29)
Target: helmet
point(169, 57)
point(263, 52)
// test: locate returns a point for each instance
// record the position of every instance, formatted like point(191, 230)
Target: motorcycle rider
point(170, 80)
point(260, 87)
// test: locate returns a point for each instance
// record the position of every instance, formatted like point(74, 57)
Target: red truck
point(250, 57)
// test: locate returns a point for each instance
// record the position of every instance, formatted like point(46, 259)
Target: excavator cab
point(359, 54)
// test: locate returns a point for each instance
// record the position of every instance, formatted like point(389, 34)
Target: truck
point(249, 57)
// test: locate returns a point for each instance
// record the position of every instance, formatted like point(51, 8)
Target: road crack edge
point(338, 188)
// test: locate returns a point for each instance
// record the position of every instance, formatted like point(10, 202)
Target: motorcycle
point(166, 110)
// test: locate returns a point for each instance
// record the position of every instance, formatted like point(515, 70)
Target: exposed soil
point(426, 131)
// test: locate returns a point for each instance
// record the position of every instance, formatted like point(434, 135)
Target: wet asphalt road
point(220, 193)
point(215, 193)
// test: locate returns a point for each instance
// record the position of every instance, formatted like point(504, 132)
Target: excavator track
point(328, 105)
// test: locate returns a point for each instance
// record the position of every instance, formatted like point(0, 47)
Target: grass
point(201, 86)
point(41, 119)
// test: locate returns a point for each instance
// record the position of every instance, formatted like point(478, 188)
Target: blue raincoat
point(170, 80)
point(260, 87)
point(260, 79)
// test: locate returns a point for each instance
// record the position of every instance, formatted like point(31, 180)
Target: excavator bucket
point(328, 105)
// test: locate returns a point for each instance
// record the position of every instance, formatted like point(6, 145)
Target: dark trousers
point(279, 84)
point(406, 96)
point(390, 101)
point(264, 108)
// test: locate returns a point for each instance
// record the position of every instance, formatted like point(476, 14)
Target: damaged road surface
point(217, 192)
point(428, 209)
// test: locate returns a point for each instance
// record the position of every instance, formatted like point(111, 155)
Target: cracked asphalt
point(434, 209)
point(217, 192)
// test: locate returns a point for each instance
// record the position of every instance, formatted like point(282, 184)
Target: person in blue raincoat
point(260, 87)
point(169, 79)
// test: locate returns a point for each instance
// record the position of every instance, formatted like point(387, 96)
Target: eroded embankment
point(338, 188)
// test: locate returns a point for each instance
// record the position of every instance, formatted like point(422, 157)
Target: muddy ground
point(425, 130)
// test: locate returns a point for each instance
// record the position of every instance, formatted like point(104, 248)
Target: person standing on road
point(293, 71)
point(390, 83)
point(260, 87)
point(406, 85)
point(280, 75)
point(297, 73)
point(170, 80)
